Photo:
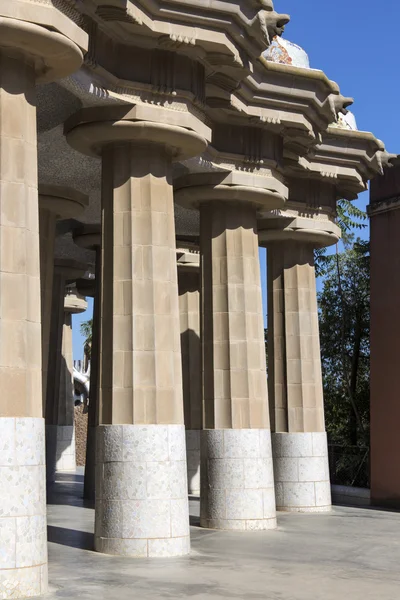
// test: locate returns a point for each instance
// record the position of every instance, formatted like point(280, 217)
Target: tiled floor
point(350, 554)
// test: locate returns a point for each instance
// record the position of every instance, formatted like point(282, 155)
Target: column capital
point(69, 269)
point(187, 260)
point(53, 55)
point(88, 236)
point(181, 135)
point(86, 287)
point(63, 201)
point(74, 302)
point(263, 192)
point(316, 232)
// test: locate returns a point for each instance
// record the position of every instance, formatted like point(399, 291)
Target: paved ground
point(350, 554)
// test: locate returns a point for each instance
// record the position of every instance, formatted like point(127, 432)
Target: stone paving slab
point(350, 553)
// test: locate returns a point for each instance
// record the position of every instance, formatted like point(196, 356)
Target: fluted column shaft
point(295, 380)
point(234, 366)
point(141, 406)
point(237, 490)
point(140, 314)
point(23, 566)
point(189, 310)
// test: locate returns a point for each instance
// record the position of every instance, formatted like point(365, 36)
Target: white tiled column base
point(141, 491)
point(237, 481)
point(193, 461)
point(301, 472)
point(23, 535)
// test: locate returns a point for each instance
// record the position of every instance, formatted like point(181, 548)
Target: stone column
point(237, 484)
point(189, 310)
point(60, 438)
point(27, 52)
point(89, 237)
point(55, 202)
point(141, 480)
point(299, 440)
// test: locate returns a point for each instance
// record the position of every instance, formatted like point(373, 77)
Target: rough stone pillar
point(26, 53)
point(89, 237)
point(189, 309)
point(141, 479)
point(299, 442)
point(237, 485)
point(55, 202)
point(60, 437)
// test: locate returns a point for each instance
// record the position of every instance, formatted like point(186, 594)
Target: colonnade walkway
point(349, 553)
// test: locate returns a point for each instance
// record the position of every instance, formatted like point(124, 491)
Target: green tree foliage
point(349, 218)
point(344, 335)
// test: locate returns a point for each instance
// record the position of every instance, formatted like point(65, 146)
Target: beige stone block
point(13, 249)
point(34, 344)
point(296, 417)
point(142, 231)
point(12, 160)
point(161, 264)
point(122, 263)
point(122, 407)
point(222, 409)
point(220, 298)
point(123, 334)
point(240, 387)
point(164, 327)
point(144, 332)
point(294, 374)
point(237, 325)
point(13, 204)
point(13, 385)
point(162, 298)
point(164, 365)
point(314, 419)
point(31, 207)
point(281, 419)
point(257, 382)
point(13, 344)
point(222, 384)
point(13, 303)
point(33, 298)
point(169, 410)
point(144, 365)
point(221, 326)
point(143, 297)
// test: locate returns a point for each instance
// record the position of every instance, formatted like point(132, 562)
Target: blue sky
point(357, 44)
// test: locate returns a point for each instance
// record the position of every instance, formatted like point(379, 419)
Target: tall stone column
point(237, 484)
point(89, 237)
point(55, 202)
point(27, 53)
point(299, 441)
point(189, 310)
point(141, 480)
point(60, 437)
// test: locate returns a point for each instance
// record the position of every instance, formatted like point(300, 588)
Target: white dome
point(286, 53)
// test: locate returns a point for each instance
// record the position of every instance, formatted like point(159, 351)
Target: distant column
point(60, 438)
point(299, 441)
point(55, 202)
point(189, 309)
point(89, 237)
